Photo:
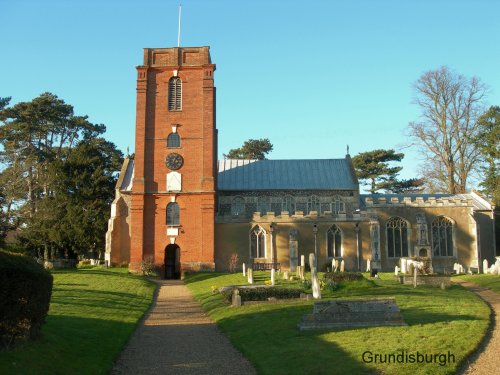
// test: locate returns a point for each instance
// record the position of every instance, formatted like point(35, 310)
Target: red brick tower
point(173, 193)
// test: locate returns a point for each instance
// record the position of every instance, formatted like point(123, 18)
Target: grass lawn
point(488, 281)
point(92, 313)
point(439, 321)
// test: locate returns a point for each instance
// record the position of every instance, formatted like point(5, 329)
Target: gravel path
point(176, 337)
point(486, 360)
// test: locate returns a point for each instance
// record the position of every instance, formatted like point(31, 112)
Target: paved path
point(176, 337)
point(486, 360)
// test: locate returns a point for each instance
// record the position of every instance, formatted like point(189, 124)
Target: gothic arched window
point(174, 94)
point(173, 214)
point(289, 204)
point(397, 237)
point(334, 242)
point(258, 242)
point(442, 237)
point(174, 140)
point(238, 206)
point(313, 204)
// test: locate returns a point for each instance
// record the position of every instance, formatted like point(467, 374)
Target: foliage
point(233, 262)
point(24, 298)
point(488, 143)
point(339, 277)
point(251, 149)
point(58, 175)
point(92, 314)
point(263, 293)
point(148, 266)
point(373, 166)
point(450, 106)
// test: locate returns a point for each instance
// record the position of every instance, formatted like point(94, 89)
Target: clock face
point(174, 161)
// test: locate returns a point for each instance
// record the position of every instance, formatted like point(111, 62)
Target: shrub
point(339, 277)
point(263, 293)
point(25, 290)
point(148, 266)
point(233, 262)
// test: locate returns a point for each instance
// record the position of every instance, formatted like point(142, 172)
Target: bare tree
point(450, 105)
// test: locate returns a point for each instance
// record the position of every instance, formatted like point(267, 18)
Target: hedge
point(339, 277)
point(263, 293)
point(25, 291)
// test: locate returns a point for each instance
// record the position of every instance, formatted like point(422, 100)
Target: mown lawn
point(439, 321)
point(92, 314)
point(488, 281)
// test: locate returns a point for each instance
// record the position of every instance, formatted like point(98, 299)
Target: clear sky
point(312, 76)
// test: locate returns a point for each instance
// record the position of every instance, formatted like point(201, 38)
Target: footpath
point(177, 337)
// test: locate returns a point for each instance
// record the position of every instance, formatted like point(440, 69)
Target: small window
point(174, 94)
point(173, 214)
point(442, 237)
point(334, 242)
point(397, 238)
point(313, 204)
point(258, 243)
point(238, 206)
point(174, 140)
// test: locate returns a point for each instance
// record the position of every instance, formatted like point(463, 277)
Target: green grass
point(488, 281)
point(439, 321)
point(92, 313)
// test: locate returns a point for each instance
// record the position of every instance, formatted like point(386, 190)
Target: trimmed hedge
point(25, 291)
point(339, 277)
point(263, 293)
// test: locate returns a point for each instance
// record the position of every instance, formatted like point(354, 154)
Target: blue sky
point(311, 76)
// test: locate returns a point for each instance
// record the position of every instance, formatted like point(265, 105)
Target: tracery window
point(173, 214)
point(258, 242)
point(289, 204)
point(238, 206)
point(174, 94)
point(174, 140)
point(397, 238)
point(263, 205)
point(313, 204)
point(334, 242)
point(442, 237)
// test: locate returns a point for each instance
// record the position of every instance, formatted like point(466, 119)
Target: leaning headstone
point(396, 271)
point(236, 300)
point(250, 275)
point(302, 261)
point(368, 265)
point(272, 276)
point(244, 270)
point(485, 266)
point(314, 277)
point(342, 266)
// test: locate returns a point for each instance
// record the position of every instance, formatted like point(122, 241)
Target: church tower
point(174, 182)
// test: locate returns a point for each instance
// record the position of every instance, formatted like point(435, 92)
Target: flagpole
point(179, 30)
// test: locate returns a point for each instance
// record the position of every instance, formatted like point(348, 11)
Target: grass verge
point(488, 281)
point(92, 313)
point(451, 322)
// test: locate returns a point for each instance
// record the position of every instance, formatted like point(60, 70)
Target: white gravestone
point(272, 276)
point(342, 266)
point(314, 277)
point(250, 275)
point(244, 270)
point(485, 266)
point(302, 261)
point(396, 270)
point(403, 266)
point(336, 265)
point(333, 265)
point(368, 265)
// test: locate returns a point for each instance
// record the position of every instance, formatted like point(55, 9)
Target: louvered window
point(174, 140)
point(174, 94)
point(173, 214)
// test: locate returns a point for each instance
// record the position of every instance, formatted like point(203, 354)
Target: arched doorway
point(172, 262)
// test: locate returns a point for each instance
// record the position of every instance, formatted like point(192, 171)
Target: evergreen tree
point(251, 149)
point(373, 166)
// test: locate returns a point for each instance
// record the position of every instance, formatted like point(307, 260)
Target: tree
point(251, 149)
point(450, 106)
point(410, 186)
point(488, 143)
point(373, 166)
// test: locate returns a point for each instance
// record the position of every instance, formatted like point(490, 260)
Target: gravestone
point(396, 270)
point(236, 300)
point(485, 266)
point(272, 276)
point(300, 272)
point(403, 265)
point(302, 261)
point(294, 250)
point(314, 277)
point(415, 278)
point(285, 275)
point(368, 265)
point(333, 265)
point(244, 270)
point(250, 275)
point(336, 265)
point(353, 313)
point(342, 266)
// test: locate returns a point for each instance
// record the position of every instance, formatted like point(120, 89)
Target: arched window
point(173, 214)
point(174, 94)
point(174, 140)
point(238, 206)
point(397, 238)
point(258, 242)
point(442, 237)
point(313, 204)
point(334, 242)
point(289, 204)
point(263, 205)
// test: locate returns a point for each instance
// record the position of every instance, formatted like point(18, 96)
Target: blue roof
point(319, 174)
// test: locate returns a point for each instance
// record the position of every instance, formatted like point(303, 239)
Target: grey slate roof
point(319, 174)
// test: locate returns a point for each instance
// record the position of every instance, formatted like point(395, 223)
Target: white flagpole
point(179, 31)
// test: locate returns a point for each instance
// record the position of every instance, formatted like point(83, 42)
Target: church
point(179, 207)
